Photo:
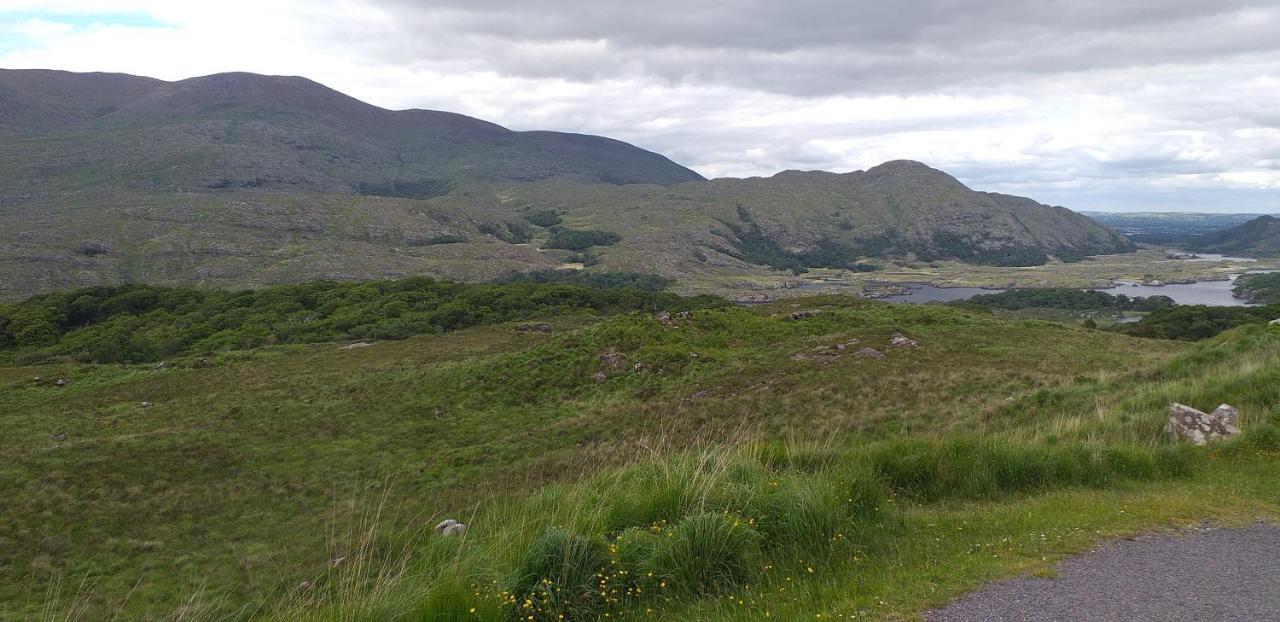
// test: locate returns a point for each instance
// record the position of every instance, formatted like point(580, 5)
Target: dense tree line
point(139, 323)
point(580, 240)
point(1194, 322)
point(608, 280)
point(1263, 288)
point(1068, 299)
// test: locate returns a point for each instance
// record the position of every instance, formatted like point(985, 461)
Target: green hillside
point(241, 180)
point(300, 481)
point(1259, 237)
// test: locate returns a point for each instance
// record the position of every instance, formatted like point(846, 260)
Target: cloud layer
point(1145, 104)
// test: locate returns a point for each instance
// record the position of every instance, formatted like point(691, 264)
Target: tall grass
point(698, 524)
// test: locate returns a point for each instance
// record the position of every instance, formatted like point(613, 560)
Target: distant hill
point(247, 180)
point(68, 131)
point(1259, 237)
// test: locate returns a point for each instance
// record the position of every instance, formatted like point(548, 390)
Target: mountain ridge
point(244, 180)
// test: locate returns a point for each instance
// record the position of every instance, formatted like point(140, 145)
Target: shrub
point(705, 553)
point(579, 240)
point(559, 577)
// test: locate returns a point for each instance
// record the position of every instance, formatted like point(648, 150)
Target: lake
point(1212, 293)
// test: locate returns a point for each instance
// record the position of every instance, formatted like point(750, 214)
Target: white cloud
point(1093, 104)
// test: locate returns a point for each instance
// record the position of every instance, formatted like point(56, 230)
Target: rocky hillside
point(1259, 237)
point(70, 132)
point(246, 180)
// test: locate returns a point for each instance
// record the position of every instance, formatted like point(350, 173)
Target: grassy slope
point(249, 475)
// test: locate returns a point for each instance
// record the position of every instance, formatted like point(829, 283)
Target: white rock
point(1189, 424)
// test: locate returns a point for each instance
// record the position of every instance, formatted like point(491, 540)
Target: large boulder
point(1188, 424)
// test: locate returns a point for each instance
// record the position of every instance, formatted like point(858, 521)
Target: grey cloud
point(811, 47)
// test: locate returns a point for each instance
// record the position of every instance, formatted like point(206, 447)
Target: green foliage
point(509, 232)
point(706, 553)
point(1194, 322)
point(1260, 288)
point(559, 578)
point(752, 245)
point(947, 245)
point(607, 280)
point(444, 238)
point(1066, 298)
point(425, 188)
point(543, 217)
point(454, 599)
point(805, 515)
point(580, 240)
point(144, 323)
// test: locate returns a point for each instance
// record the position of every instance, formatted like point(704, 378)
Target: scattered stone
point(1189, 424)
point(693, 355)
point(611, 360)
point(638, 367)
point(600, 376)
point(847, 344)
point(1275, 322)
point(36, 380)
point(450, 527)
point(60, 436)
point(535, 327)
point(700, 395)
point(665, 319)
point(804, 315)
point(684, 315)
point(356, 345)
point(144, 404)
point(62, 382)
point(337, 560)
point(869, 353)
point(160, 365)
point(201, 363)
point(900, 340)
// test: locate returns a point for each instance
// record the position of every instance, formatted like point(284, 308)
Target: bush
point(706, 553)
point(559, 577)
point(580, 240)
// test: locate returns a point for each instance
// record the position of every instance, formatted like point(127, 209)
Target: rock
point(534, 327)
point(1275, 322)
point(201, 363)
point(611, 360)
point(599, 376)
point(144, 404)
point(665, 319)
point(450, 527)
point(900, 340)
point(804, 315)
point(869, 353)
point(847, 344)
point(700, 395)
point(160, 365)
point(358, 344)
point(60, 436)
point(62, 382)
point(638, 367)
point(1189, 424)
point(36, 380)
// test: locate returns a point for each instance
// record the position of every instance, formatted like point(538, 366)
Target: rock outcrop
point(1188, 424)
point(450, 527)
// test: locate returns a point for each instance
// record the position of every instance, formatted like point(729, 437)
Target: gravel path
point(1200, 575)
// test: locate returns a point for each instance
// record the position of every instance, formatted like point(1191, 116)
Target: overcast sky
point(1092, 104)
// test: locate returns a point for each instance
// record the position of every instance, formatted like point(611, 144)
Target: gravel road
point(1202, 575)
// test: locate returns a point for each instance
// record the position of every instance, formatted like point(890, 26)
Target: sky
point(1133, 105)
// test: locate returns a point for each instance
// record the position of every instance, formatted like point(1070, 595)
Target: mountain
point(246, 180)
point(74, 132)
point(1259, 237)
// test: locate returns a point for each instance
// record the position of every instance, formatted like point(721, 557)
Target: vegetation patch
point(1066, 298)
point(142, 323)
point(543, 218)
point(1195, 322)
point(1260, 288)
point(580, 240)
point(607, 280)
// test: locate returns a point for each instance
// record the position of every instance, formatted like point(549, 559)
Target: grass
point(301, 482)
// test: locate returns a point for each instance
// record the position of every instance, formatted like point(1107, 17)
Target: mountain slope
point(86, 131)
point(1259, 237)
point(247, 180)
